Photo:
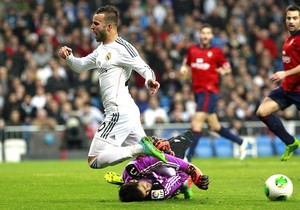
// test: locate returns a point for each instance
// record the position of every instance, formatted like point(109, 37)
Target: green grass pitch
point(71, 184)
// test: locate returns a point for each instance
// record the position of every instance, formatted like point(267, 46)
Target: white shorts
point(117, 129)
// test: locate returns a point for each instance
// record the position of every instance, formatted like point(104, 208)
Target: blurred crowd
point(38, 88)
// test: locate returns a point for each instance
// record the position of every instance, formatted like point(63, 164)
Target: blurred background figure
point(155, 114)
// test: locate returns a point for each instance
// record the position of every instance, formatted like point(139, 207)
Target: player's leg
point(197, 124)
point(277, 100)
point(215, 125)
point(179, 144)
point(143, 144)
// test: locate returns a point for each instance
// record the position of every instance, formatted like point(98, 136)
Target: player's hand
point(162, 145)
point(199, 179)
point(183, 70)
point(202, 182)
point(64, 52)
point(278, 76)
point(223, 71)
point(153, 86)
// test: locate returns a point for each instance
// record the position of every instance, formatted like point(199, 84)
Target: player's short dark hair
point(129, 192)
point(111, 14)
point(293, 7)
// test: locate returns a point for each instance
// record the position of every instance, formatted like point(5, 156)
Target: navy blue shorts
point(206, 102)
point(285, 99)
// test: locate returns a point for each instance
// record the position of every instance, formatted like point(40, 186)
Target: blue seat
point(165, 102)
point(279, 146)
point(223, 147)
point(204, 148)
point(264, 146)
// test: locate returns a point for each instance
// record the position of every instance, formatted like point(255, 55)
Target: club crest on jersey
point(209, 54)
point(108, 56)
point(157, 194)
point(286, 59)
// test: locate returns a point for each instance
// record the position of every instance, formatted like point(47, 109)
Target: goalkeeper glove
point(162, 145)
point(200, 180)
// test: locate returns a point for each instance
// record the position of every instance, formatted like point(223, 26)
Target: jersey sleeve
point(173, 183)
point(82, 64)
point(132, 60)
point(222, 60)
point(186, 59)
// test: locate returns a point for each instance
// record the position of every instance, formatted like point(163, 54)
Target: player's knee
point(92, 161)
point(260, 113)
point(214, 128)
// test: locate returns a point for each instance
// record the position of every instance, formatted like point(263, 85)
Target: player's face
point(144, 187)
point(292, 21)
point(206, 36)
point(99, 27)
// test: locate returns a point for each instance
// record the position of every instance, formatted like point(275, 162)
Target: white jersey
point(114, 61)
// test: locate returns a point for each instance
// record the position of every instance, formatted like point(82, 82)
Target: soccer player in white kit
point(121, 135)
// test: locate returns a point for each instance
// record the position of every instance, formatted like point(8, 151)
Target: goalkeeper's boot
point(290, 149)
point(114, 178)
point(187, 191)
point(179, 144)
point(151, 150)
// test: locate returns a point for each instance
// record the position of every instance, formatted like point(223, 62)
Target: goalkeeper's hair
point(129, 192)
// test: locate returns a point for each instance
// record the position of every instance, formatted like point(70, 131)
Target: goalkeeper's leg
point(179, 144)
point(176, 145)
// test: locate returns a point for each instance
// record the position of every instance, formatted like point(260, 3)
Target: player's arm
point(224, 69)
point(184, 68)
point(139, 65)
point(223, 63)
point(280, 75)
point(173, 183)
point(78, 64)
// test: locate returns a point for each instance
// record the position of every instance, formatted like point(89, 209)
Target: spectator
point(155, 113)
point(43, 120)
point(75, 136)
point(11, 103)
point(39, 99)
point(14, 118)
point(28, 111)
point(54, 110)
point(42, 56)
point(52, 69)
point(91, 117)
point(142, 100)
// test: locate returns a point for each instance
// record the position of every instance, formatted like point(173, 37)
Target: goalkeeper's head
point(135, 190)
